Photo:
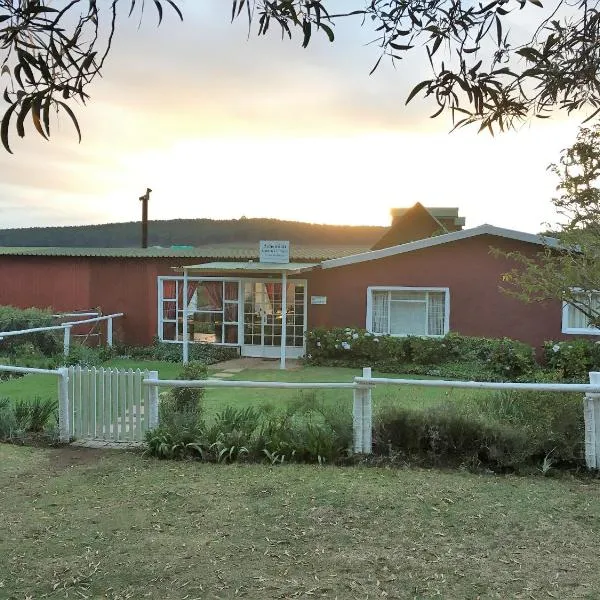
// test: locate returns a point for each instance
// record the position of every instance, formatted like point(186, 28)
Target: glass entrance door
point(262, 318)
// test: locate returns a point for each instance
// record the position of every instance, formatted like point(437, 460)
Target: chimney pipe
point(144, 199)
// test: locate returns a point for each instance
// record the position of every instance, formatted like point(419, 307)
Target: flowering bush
point(573, 359)
point(453, 355)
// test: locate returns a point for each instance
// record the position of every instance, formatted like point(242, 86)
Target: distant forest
point(192, 232)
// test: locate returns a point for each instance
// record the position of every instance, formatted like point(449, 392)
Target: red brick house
point(426, 276)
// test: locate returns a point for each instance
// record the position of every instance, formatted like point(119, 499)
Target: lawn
point(91, 524)
point(216, 399)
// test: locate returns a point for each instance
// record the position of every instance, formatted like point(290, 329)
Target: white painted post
point(153, 402)
point(367, 415)
point(591, 415)
point(67, 340)
point(184, 333)
point(283, 318)
point(64, 428)
point(109, 333)
point(357, 420)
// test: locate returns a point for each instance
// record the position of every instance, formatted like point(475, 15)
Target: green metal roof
point(298, 252)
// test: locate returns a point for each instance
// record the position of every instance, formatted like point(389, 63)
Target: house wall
point(466, 267)
point(126, 285)
point(477, 307)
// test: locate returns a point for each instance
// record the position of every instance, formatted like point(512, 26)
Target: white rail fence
point(66, 327)
point(122, 405)
point(363, 409)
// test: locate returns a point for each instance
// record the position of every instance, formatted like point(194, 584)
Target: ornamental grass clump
point(307, 430)
point(504, 430)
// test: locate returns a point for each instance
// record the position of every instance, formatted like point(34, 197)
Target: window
point(408, 311)
point(575, 320)
point(212, 310)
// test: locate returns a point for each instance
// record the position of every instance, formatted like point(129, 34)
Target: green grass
point(113, 525)
point(216, 399)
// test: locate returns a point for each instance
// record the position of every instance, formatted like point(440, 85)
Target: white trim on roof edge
point(445, 238)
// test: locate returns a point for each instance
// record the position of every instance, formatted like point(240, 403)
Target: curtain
point(192, 287)
point(436, 313)
point(577, 319)
point(214, 294)
point(380, 313)
point(231, 290)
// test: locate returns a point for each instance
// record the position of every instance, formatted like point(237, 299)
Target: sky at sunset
point(221, 125)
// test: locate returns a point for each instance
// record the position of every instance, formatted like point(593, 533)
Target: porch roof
point(250, 267)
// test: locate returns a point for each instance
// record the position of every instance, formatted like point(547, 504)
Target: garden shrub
point(574, 359)
point(8, 422)
point(481, 358)
point(83, 356)
point(443, 434)
point(511, 429)
point(163, 351)
point(308, 430)
point(46, 343)
point(190, 399)
point(553, 421)
point(26, 418)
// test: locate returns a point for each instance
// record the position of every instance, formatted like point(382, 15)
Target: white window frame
point(240, 322)
point(392, 288)
point(162, 320)
point(565, 318)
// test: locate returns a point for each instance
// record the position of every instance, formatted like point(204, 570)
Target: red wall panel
point(473, 275)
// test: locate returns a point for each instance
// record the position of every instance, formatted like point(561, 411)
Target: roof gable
point(439, 240)
point(415, 223)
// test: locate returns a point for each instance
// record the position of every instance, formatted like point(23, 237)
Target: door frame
point(263, 351)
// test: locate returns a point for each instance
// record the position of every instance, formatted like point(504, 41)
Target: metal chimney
point(144, 199)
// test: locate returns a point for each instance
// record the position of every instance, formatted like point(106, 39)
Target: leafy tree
point(482, 71)
point(568, 269)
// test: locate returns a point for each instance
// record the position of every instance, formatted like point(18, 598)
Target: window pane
point(231, 312)
point(408, 318)
point(169, 310)
point(210, 295)
point(380, 320)
point(169, 289)
point(168, 332)
point(409, 295)
point(577, 319)
point(231, 290)
point(437, 313)
point(231, 334)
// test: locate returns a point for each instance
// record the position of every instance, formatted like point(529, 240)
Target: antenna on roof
point(144, 199)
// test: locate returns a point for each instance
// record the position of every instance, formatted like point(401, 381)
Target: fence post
point(357, 420)
point(64, 426)
point(591, 415)
point(153, 402)
point(109, 333)
point(67, 340)
point(367, 415)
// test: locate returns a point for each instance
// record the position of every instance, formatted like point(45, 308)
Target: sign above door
point(274, 251)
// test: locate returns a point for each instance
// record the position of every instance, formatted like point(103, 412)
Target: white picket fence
point(110, 404)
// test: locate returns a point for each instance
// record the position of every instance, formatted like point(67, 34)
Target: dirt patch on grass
point(67, 457)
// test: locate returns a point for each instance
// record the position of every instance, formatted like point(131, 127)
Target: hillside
point(193, 232)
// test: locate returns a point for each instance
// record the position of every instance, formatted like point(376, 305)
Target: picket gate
point(108, 404)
